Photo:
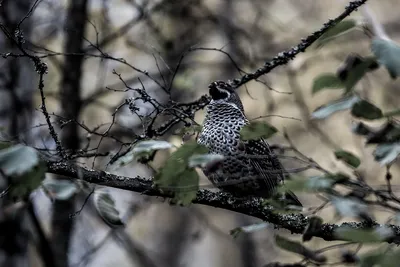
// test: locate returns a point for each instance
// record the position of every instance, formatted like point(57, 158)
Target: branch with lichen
point(295, 223)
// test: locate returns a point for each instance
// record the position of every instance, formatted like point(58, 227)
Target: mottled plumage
point(250, 168)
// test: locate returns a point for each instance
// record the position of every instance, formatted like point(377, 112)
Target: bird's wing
point(264, 161)
point(267, 164)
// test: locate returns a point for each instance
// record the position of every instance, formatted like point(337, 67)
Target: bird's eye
point(217, 94)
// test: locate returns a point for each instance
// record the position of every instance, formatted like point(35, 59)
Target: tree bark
point(16, 111)
point(70, 89)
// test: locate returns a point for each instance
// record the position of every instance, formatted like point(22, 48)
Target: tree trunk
point(70, 89)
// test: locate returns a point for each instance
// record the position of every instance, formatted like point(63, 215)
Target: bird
point(248, 168)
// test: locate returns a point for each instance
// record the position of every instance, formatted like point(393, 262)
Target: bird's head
point(223, 92)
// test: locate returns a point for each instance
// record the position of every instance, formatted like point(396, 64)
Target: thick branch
point(70, 88)
point(295, 223)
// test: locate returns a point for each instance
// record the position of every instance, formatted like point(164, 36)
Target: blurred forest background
point(96, 49)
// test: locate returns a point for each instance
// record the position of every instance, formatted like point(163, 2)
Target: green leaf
point(288, 245)
point(392, 113)
point(256, 130)
point(142, 150)
point(313, 227)
point(311, 184)
point(248, 229)
point(105, 207)
point(354, 68)
point(381, 257)
point(388, 54)
point(298, 248)
point(372, 258)
point(360, 128)
point(18, 159)
point(24, 169)
point(125, 159)
point(386, 154)
point(326, 81)
point(60, 189)
point(356, 73)
point(365, 110)
point(5, 144)
point(339, 29)
point(150, 145)
point(350, 207)
point(186, 190)
point(23, 185)
point(348, 158)
point(202, 160)
point(388, 133)
point(391, 259)
point(177, 163)
point(177, 177)
point(376, 235)
point(335, 106)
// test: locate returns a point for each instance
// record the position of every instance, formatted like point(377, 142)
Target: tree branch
point(284, 57)
point(295, 223)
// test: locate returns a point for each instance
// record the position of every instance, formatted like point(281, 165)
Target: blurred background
point(95, 49)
